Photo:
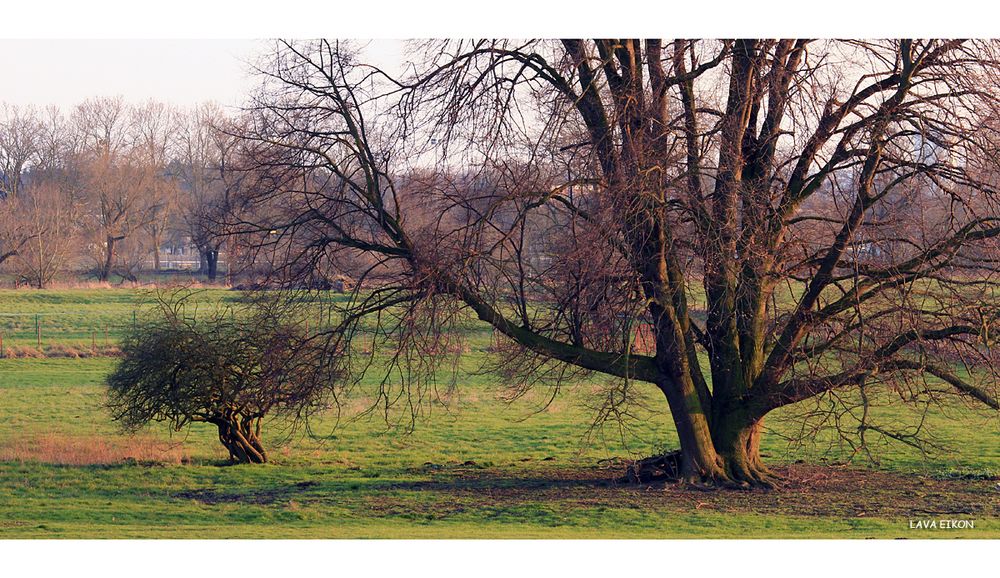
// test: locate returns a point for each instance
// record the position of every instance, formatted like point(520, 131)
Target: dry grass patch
point(59, 350)
point(61, 449)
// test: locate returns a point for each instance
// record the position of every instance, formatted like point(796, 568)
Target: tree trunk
point(109, 259)
point(699, 461)
point(725, 452)
point(242, 439)
point(737, 441)
point(212, 260)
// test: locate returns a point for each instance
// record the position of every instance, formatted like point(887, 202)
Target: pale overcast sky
point(181, 72)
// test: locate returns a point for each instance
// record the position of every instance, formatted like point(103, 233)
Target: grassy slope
point(363, 479)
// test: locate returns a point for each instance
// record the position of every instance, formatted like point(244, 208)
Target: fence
point(62, 333)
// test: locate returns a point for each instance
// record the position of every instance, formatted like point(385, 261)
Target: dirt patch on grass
point(261, 497)
point(807, 490)
point(61, 449)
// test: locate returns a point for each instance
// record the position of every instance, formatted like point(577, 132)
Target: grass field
point(475, 467)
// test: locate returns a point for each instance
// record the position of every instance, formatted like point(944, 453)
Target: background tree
point(156, 127)
point(49, 215)
point(19, 145)
point(230, 368)
point(14, 233)
point(118, 183)
point(205, 149)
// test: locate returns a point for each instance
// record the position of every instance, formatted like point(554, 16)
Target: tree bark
point(700, 463)
point(722, 451)
point(242, 439)
point(737, 441)
point(109, 259)
point(212, 262)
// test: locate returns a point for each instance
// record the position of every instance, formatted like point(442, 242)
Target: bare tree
point(732, 196)
point(115, 175)
point(204, 153)
point(19, 145)
point(49, 216)
point(229, 367)
point(156, 126)
point(14, 234)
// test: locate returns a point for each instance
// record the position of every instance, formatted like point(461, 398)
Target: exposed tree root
point(734, 474)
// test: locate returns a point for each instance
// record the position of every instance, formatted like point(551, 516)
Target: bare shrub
point(228, 367)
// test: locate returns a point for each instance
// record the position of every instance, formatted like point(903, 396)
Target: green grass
point(477, 467)
point(79, 317)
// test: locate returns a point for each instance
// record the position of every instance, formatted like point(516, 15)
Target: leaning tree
point(784, 219)
point(228, 367)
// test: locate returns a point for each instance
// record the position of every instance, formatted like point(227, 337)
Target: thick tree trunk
point(242, 439)
point(724, 452)
point(699, 461)
point(738, 443)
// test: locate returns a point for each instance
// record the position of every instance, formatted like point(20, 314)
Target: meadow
point(473, 466)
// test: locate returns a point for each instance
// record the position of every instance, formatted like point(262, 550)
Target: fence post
point(38, 333)
point(1, 347)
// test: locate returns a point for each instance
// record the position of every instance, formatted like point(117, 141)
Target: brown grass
point(59, 350)
point(84, 450)
point(22, 351)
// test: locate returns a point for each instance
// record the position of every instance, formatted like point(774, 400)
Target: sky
point(179, 72)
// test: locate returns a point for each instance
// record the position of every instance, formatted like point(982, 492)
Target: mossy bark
point(721, 450)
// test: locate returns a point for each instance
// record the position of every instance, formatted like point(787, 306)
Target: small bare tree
point(227, 367)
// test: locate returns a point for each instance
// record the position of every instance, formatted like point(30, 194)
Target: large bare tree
point(788, 218)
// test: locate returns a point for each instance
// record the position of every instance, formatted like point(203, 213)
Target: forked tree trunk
point(722, 452)
point(242, 439)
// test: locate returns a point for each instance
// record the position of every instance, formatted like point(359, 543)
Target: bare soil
point(806, 490)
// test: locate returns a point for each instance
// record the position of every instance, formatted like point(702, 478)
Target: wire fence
point(63, 334)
